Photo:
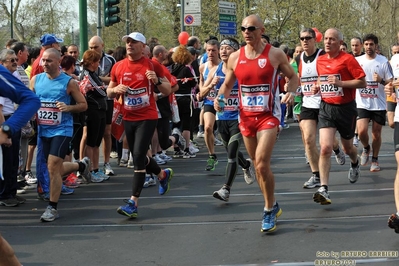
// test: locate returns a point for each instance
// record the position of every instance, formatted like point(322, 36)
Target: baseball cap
point(137, 36)
point(193, 51)
point(48, 39)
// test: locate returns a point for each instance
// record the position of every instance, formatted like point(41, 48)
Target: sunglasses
point(250, 28)
point(12, 60)
point(306, 38)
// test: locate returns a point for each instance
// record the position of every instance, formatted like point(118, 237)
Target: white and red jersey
point(308, 77)
point(138, 101)
point(258, 85)
point(373, 97)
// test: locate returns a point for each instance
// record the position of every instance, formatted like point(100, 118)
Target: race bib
point(255, 98)
point(136, 99)
point(211, 95)
point(232, 102)
point(306, 85)
point(370, 90)
point(49, 114)
point(329, 90)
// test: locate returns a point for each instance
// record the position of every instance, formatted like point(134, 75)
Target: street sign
point(192, 19)
point(225, 4)
point(223, 17)
point(228, 31)
point(192, 6)
point(227, 18)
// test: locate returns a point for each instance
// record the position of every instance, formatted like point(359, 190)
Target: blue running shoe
point(129, 210)
point(66, 191)
point(164, 184)
point(270, 219)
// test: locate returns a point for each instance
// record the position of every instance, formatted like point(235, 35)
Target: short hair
point(4, 53)
point(10, 42)
point(370, 36)
point(359, 39)
point(119, 53)
point(308, 30)
point(213, 42)
point(285, 48)
point(34, 53)
point(181, 55)
point(266, 37)
point(344, 44)
point(192, 40)
point(90, 56)
point(64, 49)
point(67, 61)
point(18, 46)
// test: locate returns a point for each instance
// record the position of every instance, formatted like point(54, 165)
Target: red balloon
point(319, 36)
point(183, 37)
point(315, 29)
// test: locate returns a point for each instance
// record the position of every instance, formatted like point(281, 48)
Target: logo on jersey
point(139, 76)
point(243, 62)
point(262, 63)
point(308, 70)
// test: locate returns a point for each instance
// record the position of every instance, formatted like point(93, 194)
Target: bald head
point(96, 44)
point(254, 20)
point(54, 53)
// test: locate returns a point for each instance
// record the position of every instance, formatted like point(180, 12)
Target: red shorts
point(250, 125)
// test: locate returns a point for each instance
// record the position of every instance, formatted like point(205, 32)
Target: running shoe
point(321, 196)
point(393, 222)
point(249, 173)
point(21, 191)
point(312, 182)
point(30, 178)
point(71, 181)
point(103, 175)
point(86, 176)
point(218, 142)
point(123, 163)
point(66, 191)
point(44, 196)
point(158, 159)
point(200, 134)
point(178, 154)
point(149, 181)
point(113, 155)
point(375, 167)
point(49, 215)
point(211, 163)
point(96, 178)
point(364, 158)
point(192, 148)
point(164, 183)
point(11, 202)
point(340, 157)
point(165, 157)
point(108, 169)
point(355, 141)
point(270, 219)
point(20, 200)
point(222, 194)
point(354, 174)
point(129, 210)
point(130, 164)
point(188, 155)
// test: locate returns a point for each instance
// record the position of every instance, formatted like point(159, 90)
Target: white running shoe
point(158, 159)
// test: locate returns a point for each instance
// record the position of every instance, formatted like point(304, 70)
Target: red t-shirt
point(344, 66)
point(37, 67)
point(138, 102)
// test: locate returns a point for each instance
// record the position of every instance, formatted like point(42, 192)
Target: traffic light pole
point(83, 25)
point(99, 26)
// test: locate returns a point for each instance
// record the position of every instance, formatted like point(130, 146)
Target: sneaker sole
point(217, 196)
point(213, 168)
point(375, 170)
point(318, 198)
point(311, 186)
point(48, 220)
point(122, 212)
point(9, 205)
point(170, 178)
point(274, 228)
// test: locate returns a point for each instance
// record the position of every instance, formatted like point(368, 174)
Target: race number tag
point(232, 101)
point(329, 90)
point(49, 114)
point(255, 98)
point(136, 99)
point(370, 90)
point(306, 85)
point(211, 95)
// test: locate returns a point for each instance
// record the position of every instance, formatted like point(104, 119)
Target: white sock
point(125, 154)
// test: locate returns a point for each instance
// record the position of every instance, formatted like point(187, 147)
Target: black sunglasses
point(250, 28)
point(306, 38)
point(12, 60)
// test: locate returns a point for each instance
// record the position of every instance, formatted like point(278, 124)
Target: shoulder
point(109, 58)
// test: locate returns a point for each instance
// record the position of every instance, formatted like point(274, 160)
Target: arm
point(81, 104)
point(115, 90)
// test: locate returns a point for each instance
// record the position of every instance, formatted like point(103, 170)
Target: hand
point(334, 80)
point(376, 77)
point(151, 75)
point(287, 98)
point(62, 106)
point(315, 88)
point(4, 140)
point(120, 89)
point(216, 104)
point(215, 81)
point(388, 89)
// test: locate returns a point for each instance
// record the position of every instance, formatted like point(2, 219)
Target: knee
point(326, 150)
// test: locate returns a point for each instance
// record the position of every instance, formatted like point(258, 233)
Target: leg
point(7, 254)
point(209, 122)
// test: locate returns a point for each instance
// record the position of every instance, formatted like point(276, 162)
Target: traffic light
point(110, 11)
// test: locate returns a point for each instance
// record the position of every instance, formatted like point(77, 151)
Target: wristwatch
point(6, 129)
point(159, 81)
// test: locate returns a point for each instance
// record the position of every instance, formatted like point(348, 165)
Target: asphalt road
point(188, 226)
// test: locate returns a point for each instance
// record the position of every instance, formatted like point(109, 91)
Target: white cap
point(137, 36)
